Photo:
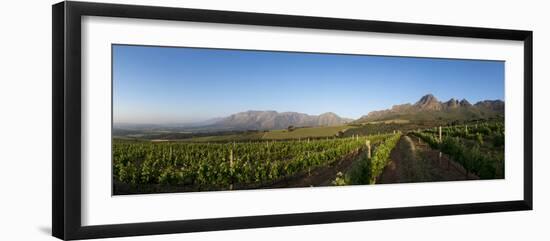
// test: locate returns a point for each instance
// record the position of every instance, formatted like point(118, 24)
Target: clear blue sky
point(179, 85)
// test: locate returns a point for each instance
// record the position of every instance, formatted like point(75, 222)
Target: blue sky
point(180, 85)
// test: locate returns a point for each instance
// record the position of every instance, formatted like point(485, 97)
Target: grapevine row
point(220, 165)
point(369, 169)
point(485, 164)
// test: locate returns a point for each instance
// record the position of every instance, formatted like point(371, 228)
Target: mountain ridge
point(270, 120)
point(428, 107)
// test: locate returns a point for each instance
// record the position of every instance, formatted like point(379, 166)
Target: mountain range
point(429, 108)
point(270, 120)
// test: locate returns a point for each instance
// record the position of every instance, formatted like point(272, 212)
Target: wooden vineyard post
point(367, 143)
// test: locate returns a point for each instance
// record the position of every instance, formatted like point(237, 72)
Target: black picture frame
point(66, 127)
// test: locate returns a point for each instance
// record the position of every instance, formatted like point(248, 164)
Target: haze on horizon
point(162, 85)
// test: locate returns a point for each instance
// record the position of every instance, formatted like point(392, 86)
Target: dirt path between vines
point(321, 176)
point(412, 160)
point(316, 177)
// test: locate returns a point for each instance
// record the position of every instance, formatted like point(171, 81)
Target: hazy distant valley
point(427, 111)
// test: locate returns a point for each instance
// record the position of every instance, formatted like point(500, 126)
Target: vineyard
point(143, 166)
point(479, 148)
point(237, 165)
point(369, 167)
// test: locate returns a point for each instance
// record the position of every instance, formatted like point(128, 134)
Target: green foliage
point(362, 173)
point(479, 138)
point(431, 139)
point(381, 156)
point(469, 148)
point(218, 165)
point(340, 180)
point(483, 165)
point(368, 170)
point(306, 132)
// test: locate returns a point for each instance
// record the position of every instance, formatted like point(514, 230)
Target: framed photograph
point(169, 120)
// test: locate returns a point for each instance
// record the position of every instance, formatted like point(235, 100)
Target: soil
point(412, 160)
point(321, 176)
